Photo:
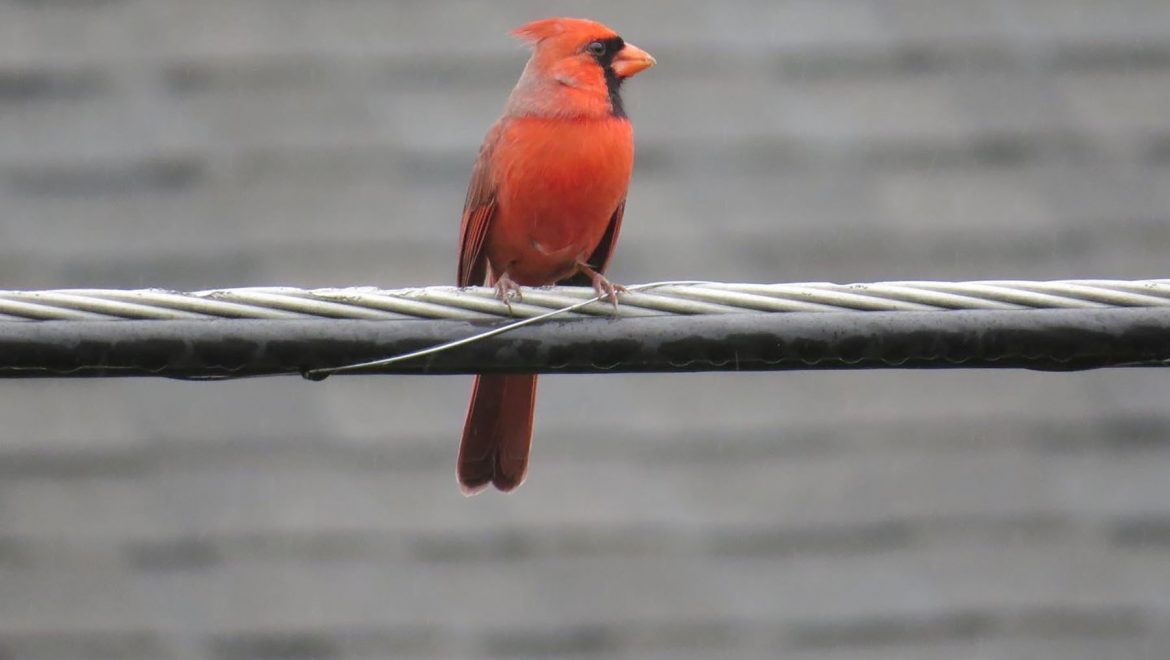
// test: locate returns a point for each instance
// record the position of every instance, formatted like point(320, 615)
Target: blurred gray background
point(813, 516)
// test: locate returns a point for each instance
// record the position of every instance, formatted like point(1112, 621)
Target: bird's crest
point(546, 28)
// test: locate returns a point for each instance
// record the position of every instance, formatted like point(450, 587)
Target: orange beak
point(631, 60)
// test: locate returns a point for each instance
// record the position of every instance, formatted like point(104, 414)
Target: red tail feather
point(498, 433)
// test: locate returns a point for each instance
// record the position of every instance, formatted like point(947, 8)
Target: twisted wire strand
point(655, 299)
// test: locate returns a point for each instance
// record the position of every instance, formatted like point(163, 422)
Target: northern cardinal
point(544, 206)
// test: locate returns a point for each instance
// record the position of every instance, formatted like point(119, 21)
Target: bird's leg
point(605, 289)
point(505, 288)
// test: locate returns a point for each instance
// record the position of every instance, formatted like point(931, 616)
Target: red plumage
point(544, 205)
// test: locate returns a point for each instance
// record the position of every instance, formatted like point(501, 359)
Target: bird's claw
point(506, 287)
point(607, 290)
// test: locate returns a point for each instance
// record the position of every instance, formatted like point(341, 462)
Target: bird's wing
point(478, 211)
point(599, 260)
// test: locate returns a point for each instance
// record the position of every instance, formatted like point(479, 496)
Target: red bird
point(544, 206)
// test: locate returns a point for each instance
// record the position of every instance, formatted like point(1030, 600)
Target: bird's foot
point(506, 288)
point(605, 289)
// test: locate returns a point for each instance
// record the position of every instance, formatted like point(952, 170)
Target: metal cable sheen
point(657, 299)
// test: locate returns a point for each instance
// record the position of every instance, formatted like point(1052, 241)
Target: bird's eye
point(596, 48)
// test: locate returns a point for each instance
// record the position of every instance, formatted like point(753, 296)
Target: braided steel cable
point(664, 326)
point(658, 299)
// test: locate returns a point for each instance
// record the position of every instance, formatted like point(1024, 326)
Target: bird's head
point(576, 69)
